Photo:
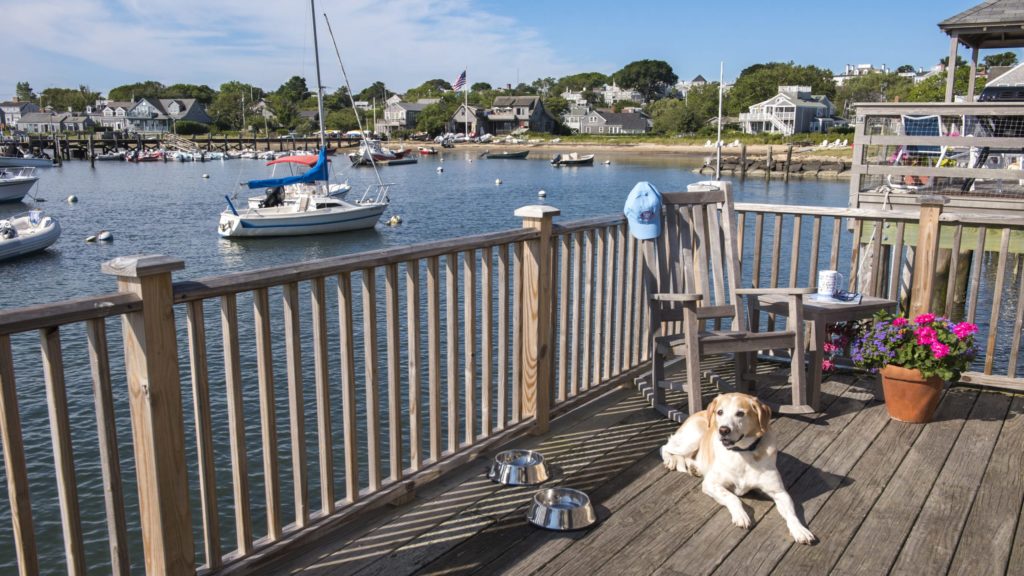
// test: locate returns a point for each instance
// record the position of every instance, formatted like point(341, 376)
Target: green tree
point(232, 102)
point(342, 119)
point(583, 81)
point(294, 89)
point(649, 77)
point(959, 61)
point(132, 92)
point(377, 91)
point(555, 105)
point(543, 85)
point(933, 89)
point(905, 68)
point(670, 116)
point(523, 89)
point(187, 127)
point(286, 111)
point(1001, 59)
point(480, 87)
point(435, 117)
point(871, 88)
point(69, 98)
point(338, 100)
point(201, 93)
point(23, 92)
point(429, 89)
point(760, 82)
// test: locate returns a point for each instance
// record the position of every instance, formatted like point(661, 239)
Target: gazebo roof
point(991, 24)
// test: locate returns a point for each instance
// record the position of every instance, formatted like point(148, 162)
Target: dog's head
point(738, 419)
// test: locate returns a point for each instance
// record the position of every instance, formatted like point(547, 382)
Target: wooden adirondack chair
point(691, 273)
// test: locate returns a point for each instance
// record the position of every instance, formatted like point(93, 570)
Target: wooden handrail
point(68, 312)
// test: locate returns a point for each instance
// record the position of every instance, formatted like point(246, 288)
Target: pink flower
point(939, 350)
point(925, 319)
point(900, 321)
point(828, 347)
point(827, 365)
point(925, 335)
point(964, 329)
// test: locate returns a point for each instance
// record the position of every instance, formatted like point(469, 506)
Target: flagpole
point(465, 94)
point(718, 144)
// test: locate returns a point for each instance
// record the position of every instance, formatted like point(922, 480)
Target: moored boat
point(427, 151)
point(27, 233)
point(573, 159)
point(508, 155)
point(16, 182)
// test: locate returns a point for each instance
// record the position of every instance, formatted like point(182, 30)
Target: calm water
point(171, 209)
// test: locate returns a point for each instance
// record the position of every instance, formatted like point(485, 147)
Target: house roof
point(412, 106)
point(1012, 77)
point(16, 104)
point(628, 120)
point(41, 118)
point(699, 78)
point(115, 104)
point(508, 101)
point(991, 24)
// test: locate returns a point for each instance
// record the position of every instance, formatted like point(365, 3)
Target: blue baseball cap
point(643, 210)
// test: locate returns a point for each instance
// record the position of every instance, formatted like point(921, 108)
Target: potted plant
point(914, 358)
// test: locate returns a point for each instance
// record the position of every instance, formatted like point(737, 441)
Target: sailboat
point(303, 204)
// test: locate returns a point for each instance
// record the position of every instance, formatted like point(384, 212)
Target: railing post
point(537, 303)
point(154, 390)
point(927, 254)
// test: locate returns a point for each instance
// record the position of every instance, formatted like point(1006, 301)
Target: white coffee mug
point(829, 282)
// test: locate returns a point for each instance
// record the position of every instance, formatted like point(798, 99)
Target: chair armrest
point(677, 297)
point(775, 291)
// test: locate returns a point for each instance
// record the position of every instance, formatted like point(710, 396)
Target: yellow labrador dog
point(731, 446)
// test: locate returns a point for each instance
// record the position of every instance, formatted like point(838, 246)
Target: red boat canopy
point(305, 159)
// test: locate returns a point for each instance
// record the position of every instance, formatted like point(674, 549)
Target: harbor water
point(172, 209)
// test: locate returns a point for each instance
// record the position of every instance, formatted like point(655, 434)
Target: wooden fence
point(267, 404)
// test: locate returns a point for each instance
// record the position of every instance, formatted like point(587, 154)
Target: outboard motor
point(275, 197)
point(7, 230)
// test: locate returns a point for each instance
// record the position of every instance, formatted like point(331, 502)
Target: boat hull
point(17, 162)
point(508, 155)
point(15, 190)
point(30, 238)
point(287, 222)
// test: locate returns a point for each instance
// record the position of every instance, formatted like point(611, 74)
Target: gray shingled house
point(603, 122)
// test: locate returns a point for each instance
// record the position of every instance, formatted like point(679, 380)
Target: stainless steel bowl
point(519, 468)
point(561, 509)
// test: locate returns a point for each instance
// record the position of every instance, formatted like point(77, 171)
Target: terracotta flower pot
point(909, 396)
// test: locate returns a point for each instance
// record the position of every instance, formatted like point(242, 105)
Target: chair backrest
point(696, 253)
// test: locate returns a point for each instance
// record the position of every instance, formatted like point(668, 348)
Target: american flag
point(459, 82)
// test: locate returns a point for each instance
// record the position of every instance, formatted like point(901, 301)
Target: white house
point(857, 70)
point(612, 94)
point(684, 87)
point(794, 109)
point(12, 111)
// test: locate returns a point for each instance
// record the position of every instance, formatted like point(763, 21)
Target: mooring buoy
point(72, 199)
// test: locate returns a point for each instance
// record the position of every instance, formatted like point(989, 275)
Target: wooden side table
point(819, 315)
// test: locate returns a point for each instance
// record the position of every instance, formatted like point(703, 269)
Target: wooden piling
point(789, 159)
point(92, 152)
point(743, 160)
point(768, 165)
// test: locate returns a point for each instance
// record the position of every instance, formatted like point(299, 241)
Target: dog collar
point(750, 448)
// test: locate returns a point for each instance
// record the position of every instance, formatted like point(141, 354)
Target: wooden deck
point(882, 497)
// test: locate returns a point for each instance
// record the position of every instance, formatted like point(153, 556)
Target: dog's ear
point(764, 416)
point(712, 415)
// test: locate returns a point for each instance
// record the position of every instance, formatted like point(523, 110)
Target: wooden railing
point(292, 421)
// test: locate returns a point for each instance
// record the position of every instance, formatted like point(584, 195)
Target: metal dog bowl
point(519, 468)
point(561, 509)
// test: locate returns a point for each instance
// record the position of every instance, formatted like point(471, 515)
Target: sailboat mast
point(465, 96)
point(319, 85)
point(718, 143)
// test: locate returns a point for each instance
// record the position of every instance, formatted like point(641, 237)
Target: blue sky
point(107, 43)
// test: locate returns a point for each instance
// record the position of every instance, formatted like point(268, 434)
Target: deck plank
point(931, 544)
point(610, 430)
point(838, 520)
point(987, 538)
point(769, 540)
point(880, 535)
point(637, 540)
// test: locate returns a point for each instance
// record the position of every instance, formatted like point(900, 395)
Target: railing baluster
point(268, 416)
point(741, 233)
point(1018, 325)
point(833, 258)
point(517, 332)
point(469, 351)
point(954, 269)
point(325, 437)
point(236, 423)
point(609, 303)
point(346, 320)
point(486, 340)
point(296, 401)
point(394, 367)
point(434, 354)
point(852, 276)
point(877, 228)
point(794, 255)
point(812, 265)
point(755, 275)
point(599, 283)
point(577, 270)
point(14, 465)
point(451, 290)
point(370, 358)
point(563, 318)
point(975, 278)
point(63, 456)
point(503, 335)
point(588, 310)
point(629, 318)
point(412, 311)
point(896, 265)
point(203, 423)
point(997, 299)
point(773, 281)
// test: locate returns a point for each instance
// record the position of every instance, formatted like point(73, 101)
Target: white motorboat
point(24, 160)
point(27, 233)
point(16, 182)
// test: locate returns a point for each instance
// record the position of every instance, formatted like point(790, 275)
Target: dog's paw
point(801, 535)
point(691, 468)
point(741, 520)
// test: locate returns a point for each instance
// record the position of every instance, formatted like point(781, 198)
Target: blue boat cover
point(317, 172)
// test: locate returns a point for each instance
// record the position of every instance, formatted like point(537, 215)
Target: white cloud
point(403, 43)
